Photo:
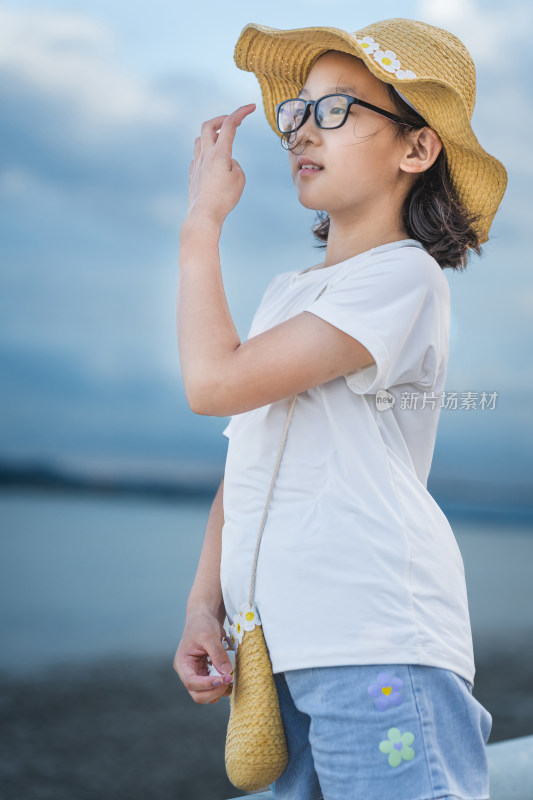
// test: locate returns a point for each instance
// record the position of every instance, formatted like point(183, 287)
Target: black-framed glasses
point(330, 111)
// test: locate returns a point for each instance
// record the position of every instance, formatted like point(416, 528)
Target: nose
point(308, 128)
point(309, 117)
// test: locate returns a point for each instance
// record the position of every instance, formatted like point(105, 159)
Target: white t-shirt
point(358, 564)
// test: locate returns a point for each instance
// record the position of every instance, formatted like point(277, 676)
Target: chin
point(308, 202)
point(311, 206)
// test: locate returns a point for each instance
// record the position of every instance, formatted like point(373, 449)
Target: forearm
point(206, 592)
point(207, 336)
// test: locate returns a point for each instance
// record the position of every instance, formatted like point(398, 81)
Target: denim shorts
point(382, 732)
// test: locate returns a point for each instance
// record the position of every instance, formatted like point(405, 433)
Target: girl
point(360, 580)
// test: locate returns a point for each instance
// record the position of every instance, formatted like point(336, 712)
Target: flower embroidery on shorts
point(397, 745)
point(244, 620)
point(386, 690)
point(385, 58)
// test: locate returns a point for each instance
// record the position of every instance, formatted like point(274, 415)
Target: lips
point(308, 165)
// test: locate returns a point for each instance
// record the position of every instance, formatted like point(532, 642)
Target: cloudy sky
point(99, 105)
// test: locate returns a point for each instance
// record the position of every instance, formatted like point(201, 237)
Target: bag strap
point(274, 476)
point(265, 511)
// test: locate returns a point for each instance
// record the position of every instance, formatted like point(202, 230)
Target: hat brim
point(282, 59)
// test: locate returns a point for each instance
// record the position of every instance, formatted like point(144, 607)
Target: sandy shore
point(127, 728)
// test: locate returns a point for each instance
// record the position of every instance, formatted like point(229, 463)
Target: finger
point(208, 134)
point(226, 693)
point(217, 654)
point(201, 683)
point(206, 697)
point(209, 695)
point(229, 128)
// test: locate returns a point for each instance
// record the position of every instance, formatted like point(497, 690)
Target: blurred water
point(87, 575)
point(84, 575)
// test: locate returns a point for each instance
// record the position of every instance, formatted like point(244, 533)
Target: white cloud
point(69, 57)
point(490, 34)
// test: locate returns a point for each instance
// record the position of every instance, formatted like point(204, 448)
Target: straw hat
point(429, 67)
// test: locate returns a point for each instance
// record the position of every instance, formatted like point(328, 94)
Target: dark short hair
point(432, 212)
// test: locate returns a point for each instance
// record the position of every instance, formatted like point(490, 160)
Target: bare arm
point(221, 375)
point(203, 630)
point(206, 593)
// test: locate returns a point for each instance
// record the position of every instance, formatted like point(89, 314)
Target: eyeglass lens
point(330, 112)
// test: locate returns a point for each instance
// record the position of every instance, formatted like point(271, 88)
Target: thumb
point(219, 657)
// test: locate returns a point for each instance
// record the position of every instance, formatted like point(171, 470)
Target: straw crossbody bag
point(256, 748)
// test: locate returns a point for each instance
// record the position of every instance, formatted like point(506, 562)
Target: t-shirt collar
point(360, 256)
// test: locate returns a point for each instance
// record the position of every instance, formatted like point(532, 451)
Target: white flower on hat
point(400, 73)
point(387, 60)
point(368, 43)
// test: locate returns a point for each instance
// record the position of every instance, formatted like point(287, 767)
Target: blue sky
point(100, 104)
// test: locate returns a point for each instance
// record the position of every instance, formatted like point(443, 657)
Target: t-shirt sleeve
point(226, 431)
point(398, 309)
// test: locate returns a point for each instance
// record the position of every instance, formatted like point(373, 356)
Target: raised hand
point(216, 179)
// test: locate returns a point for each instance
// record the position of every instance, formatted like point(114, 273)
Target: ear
point(421, 151)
